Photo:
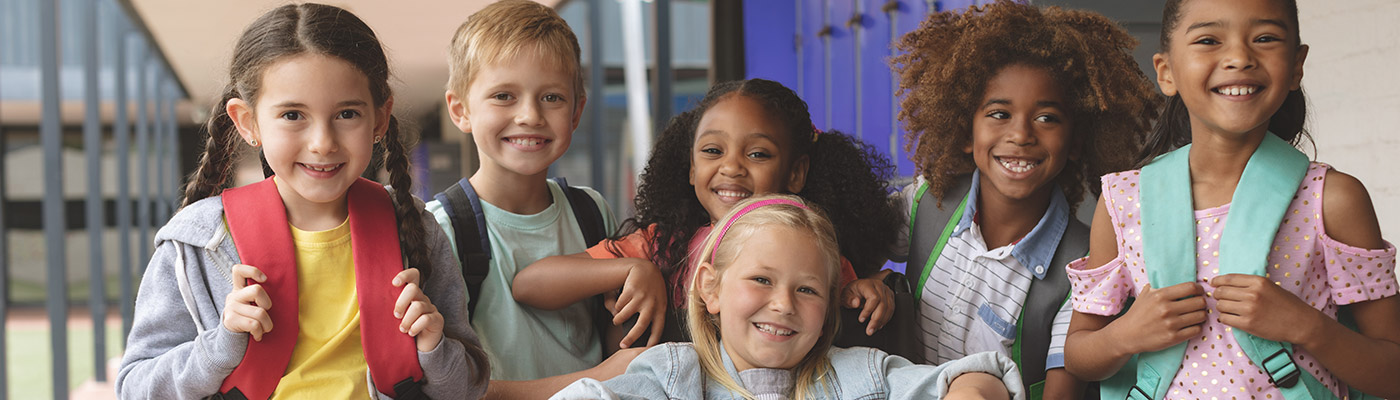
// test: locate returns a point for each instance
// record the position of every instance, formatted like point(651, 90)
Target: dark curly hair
point(1173, 129)
point(845, 177)
point(947, 62)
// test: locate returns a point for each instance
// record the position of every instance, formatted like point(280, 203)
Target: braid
point(411, 233)
point(216, 162)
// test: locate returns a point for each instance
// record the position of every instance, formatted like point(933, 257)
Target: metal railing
point(105, 46)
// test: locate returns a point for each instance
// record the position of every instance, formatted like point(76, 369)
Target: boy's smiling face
point(1020, 134)
point(521, 112)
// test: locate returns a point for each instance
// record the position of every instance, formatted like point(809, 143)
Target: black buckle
point(1290, 378)
point(1142, 394)
point(233, 394)
point(409, 389)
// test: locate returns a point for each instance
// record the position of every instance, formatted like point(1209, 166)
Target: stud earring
point(377, 139)
point(253, 142)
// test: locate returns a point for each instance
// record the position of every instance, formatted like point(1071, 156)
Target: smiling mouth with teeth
point(525, 141)
point(774, 330)
point(1236, 90)
point(1018, 165)
point(731, 193)
point(328, 168)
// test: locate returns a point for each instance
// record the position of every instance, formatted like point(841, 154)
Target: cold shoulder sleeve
point(1355, 274)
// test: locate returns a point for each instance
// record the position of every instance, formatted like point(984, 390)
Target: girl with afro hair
point(746, 138)
point(1011, 110)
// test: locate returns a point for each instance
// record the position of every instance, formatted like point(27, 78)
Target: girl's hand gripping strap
point(1260, 200)
point(740, 214)
point(257, 220)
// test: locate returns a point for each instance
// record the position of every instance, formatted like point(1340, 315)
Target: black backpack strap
point(927, 223)
point(463, 208)
point(590, 219)
point(1044, 300)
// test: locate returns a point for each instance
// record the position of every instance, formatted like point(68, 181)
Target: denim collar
point(1037, 248)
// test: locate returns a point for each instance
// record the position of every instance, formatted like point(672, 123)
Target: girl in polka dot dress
point(1234, 71)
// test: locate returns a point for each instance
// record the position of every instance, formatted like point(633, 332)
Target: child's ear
point(1165, 81)
point(241, 113)
point(797, 179)
point(457, 111)
point(383, 114)
point(707, 283)
point(1298, 68)
point(578, 112)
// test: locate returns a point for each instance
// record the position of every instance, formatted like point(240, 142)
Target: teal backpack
point(1265, 190)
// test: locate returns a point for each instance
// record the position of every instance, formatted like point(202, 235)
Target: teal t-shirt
point(524, 342)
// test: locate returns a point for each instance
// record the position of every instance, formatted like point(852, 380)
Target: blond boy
point(516, 87)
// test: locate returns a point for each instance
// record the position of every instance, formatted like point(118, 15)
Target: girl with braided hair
point(308, 87)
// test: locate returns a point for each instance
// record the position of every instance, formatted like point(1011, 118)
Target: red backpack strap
point(264, 240)
point(392, 355)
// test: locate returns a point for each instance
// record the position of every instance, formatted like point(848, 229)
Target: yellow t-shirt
point(328, 361)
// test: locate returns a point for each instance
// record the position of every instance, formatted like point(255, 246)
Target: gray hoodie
point(179, 348)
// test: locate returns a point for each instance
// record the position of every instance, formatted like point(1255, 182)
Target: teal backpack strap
point(1273, 175)
point(1265, 190)
point(926, 222)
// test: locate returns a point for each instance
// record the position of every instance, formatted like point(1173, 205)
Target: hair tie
point(816, 133)
point(746, 210)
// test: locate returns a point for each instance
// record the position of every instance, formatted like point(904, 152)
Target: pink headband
point(746, 210)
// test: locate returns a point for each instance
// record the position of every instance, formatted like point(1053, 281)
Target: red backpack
point(258, 223)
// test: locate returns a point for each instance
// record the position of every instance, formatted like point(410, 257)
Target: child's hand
point(1161, 318)
point(644, 294)
point(875, 300)
point(1262, 308)
point(419, 318)
point(977, 385)
point(245, 308)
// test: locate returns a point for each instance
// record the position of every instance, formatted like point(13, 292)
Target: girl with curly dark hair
point(1011, 110)
point(745, 138)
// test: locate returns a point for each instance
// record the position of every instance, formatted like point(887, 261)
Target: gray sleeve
point(916, 381)
point(166, 356)
point(457, 368)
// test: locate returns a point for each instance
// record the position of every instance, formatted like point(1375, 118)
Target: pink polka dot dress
point(1322, 271)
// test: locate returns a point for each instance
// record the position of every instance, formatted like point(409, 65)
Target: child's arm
point(1097, 345)
point(556, 282)
point(456, 367)
point(168, 354)
point(1060, 384)
point(544, 387)
point(1366, 360)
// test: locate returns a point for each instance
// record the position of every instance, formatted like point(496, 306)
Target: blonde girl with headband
point(762, 312)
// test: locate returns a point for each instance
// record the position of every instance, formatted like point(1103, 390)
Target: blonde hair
point(508, 29)
point(704, 327)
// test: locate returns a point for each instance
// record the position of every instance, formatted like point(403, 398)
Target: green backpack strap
point(1260, 200)
point(928, 221)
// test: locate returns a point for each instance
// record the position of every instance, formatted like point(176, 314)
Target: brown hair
point(298, 29)
point(947, 62)
point(704, 327)
point(507, 29)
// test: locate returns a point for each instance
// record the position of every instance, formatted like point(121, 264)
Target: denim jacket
point(672, 371)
